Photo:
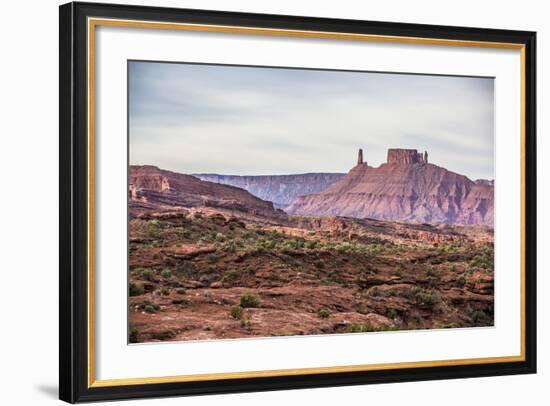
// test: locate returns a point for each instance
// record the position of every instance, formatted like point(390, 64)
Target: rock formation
point(405, 188)
point(279, 189)
point(154, 188)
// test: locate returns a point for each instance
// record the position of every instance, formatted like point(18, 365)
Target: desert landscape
point(404, 245)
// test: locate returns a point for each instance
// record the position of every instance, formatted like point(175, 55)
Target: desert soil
point(208, 273)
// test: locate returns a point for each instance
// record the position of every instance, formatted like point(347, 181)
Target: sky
point(241, 120)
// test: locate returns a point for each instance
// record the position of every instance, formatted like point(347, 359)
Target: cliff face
point(154, 188)
point(279, 189)
point(405, 188)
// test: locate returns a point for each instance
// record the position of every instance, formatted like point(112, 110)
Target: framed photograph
point(256, 202)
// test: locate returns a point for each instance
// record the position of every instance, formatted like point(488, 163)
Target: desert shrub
point(236, 312)
point(229, 246)
point(427, 297)
point(153, 227)
point(432, 272)
point(149, 309)
point(136, 289)
point(398, 271)
point(133, 336)
point(319, 264)
point(479, 316)
point(367, 328)
point(166, 274)
point(323, 313)
point(369, 269)
point(374, 292)
point(219, 237)
point(245, 323)
point(391, 313)
point(249, 300)
point(446, 325)
point(312, 244)
point(147, 274)
point(185, 268)
point(164, 291)
point(231, 276)
point(212, 258)
point(461, 280)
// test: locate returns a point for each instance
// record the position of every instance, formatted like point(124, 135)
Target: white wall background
point(29, 188)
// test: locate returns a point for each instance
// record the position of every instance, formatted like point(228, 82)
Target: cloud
point(246, 120)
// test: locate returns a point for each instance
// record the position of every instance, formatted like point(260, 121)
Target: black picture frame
point(74, 200)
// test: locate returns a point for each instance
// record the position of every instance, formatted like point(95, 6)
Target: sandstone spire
point(360, 157)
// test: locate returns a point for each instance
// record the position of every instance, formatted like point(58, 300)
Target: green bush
point(212, 258)
point(461, 280)
point(323, 313)
point(479, 316)
point(133, 336)
point(319, 264)
point(149, 309)
point(147, 274)
point(374, 292)
point(427, 297)
point(231, 276)
point(249, 300)
point(166, 274)
point(136, 289)
point(149, 306)
point(361, 328)
point(446, 325)
point(398, 271)
point(367, 328)
point(236, 312)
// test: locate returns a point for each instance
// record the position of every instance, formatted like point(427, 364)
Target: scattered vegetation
point(136, 289)
point(133, 336)
point(412, 283)
point(249, 300)
point(367, 328)
point(236, 312)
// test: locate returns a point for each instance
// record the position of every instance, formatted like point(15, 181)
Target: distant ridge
point(279, 189)
point(158, 189)
point(405, 188)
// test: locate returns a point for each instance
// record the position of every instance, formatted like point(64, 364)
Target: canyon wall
point(279, 189)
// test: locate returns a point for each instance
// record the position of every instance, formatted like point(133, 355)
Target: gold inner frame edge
point(94, 22)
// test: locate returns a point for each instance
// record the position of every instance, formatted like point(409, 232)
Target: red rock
point(279, 189)
point(152, 188)
point(406, 188)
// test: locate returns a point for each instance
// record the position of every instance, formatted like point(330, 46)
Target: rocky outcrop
point(154, 188)
point(399, 156)
point(279, 189)
point(405, 188)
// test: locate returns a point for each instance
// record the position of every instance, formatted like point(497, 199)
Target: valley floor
point(214, 274)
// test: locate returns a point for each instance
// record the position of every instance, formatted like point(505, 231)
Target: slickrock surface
point(405, 188)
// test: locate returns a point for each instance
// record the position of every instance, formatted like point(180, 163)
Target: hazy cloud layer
point(256, 121)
